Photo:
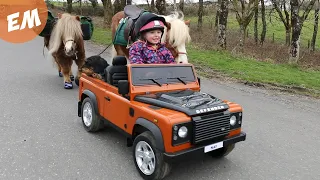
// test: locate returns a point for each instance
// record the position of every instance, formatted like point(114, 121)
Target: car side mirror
point(123, 87)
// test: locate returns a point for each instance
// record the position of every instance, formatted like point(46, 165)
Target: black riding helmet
point(144, 19)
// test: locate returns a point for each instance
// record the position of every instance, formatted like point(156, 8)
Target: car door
point(116, 109)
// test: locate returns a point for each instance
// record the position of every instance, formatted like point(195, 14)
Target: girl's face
point(153, 36)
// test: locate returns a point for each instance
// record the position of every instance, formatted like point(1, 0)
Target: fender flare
point(156, 132)
point(93, 98)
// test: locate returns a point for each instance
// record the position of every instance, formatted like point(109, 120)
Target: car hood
point(186, 101)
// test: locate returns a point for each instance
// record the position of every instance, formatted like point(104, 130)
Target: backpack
point(87, 27)
point(51, 20)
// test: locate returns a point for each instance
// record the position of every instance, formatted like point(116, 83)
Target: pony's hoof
point(68, 85)
point(72, 77)
point(60, 74)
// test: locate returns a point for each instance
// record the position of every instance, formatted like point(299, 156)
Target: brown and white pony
point(66, 45)
point(176, 35)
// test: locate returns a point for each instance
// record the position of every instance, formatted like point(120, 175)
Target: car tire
point(90, 118)
point(144, 149)
point(222, 152)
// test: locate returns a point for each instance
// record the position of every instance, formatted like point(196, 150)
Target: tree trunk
point(181, 5)
point(107, 6)
point(315, 27)
point(80, 2)
point(256, 15)
point(296, 30)
point(152, 8)
point(175, 5)
point(117, 6)
point(69, 6)
point(264, 23)
point(217, 14)
point(161, 6)
point(280, 6)
point(129, 2)
point(200, 14)
point(242, 37)
point(297, 23)
point(287, 36)
point(223, 19)
point(94, 3)
point(123, 4)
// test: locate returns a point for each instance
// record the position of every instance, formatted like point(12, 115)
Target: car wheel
point(90, 119)
point(219, 153)
point(148, 159)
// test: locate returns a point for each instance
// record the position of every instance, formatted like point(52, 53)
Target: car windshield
point(159, 75)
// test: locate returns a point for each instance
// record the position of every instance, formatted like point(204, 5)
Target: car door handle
point(107, 98)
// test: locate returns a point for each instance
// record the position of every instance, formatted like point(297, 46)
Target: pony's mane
point(179, 32)
point(66, 27)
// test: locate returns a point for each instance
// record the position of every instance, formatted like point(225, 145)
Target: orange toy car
point(161, 111)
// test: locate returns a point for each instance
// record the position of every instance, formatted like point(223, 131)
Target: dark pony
point(66, 45)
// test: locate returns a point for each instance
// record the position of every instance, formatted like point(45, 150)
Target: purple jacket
point(142, 53)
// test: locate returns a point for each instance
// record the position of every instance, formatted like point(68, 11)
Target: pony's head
point(177, 35)
point(67, 31)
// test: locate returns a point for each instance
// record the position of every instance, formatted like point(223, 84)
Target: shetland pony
point(66, 45)
point(176, 35)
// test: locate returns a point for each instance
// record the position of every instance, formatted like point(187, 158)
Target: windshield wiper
point(179, 78)
point(153, 80)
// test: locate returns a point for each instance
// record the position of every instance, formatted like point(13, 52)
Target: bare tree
point(297, 23)
point(107, 6)
point(256, 15)
point(123, 4)
point(161, 6)
point(175, 5)
point(264, 23)
point(200, 14)
point(181, 5)
point(285, 18)
point(223, 19)
point(217, 14)
point(152, 8)
point(117, 6)
point(69, 6)
point(244, 13)
point(315, 26)
point(94, 3)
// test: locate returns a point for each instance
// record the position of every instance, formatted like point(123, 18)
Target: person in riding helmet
point(149, 49)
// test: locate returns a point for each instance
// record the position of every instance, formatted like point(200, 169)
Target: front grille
point(210, 126)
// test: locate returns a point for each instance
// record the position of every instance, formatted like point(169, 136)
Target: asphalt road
point(41, 136)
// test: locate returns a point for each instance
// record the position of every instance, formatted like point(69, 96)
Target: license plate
point(212, 147)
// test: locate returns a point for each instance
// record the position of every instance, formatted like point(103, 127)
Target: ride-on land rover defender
point(162, 112)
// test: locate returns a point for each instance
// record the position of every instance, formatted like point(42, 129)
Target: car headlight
point(233, 120)
point(183, 132)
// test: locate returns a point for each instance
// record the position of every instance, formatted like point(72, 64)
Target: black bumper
point(169, 157)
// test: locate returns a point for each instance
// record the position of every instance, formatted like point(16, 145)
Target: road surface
point(41, 136)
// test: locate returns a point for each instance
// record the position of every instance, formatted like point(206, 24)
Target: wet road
point(41, 136)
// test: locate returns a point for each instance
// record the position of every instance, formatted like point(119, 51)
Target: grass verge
point(221, 63)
